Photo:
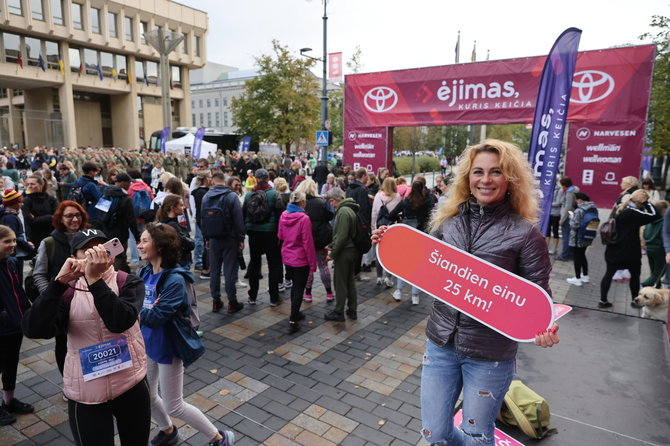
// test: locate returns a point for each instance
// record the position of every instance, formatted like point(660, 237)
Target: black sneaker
point(334, 316)
point(293, 327)
point(6, 417)
point(351, 314)
point(16, 406)
point(366, 268)
point(275, 303)
point(227, 439)
point(604, 304)
point(234, 307)
point(251, 301)
point(163, 439)
point(635, 304)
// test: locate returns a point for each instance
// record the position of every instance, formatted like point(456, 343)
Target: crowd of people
point(176, 218)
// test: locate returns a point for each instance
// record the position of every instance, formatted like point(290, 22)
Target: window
point(76, 16)
point(176, 76)
point(75, 59)
point(95, 20)
point(106, 63)
point(121, 66)
point(90, 61)
point(57, 11)
point(225, 119)
point(14, 7)
point(225, 102)
point(209, 119)
point(209, 103)
point(200, 103)
point(144, 26)
point(193, 104)
point(111, 24)
point(193, 119)
point(53, 54)
point(152, 72)
point(196, 44)
point(12, 44)
point(33, 49)
point(184, 44)
point(128, 28)
point(216, 102)
point(218, 119)
point(139, 70)
point(37, 9)
point(202, 119)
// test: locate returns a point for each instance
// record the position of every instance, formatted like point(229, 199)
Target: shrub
point(423, 164)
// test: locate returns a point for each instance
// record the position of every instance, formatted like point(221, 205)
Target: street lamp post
point(164, 43)
point(324, 91)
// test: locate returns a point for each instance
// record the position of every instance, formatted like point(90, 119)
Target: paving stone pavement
point(351, 383)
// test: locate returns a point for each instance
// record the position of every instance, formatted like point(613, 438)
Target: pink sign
point(366, 148)
point(505, 302)
point(601, 154)
point(501, 438)
point(610, 85)
point(335, 66)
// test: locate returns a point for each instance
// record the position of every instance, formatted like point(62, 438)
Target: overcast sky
point(394, 34)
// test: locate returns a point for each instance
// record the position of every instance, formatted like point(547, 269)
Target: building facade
point(78, 73)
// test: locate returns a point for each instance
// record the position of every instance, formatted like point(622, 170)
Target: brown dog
point(654, 303)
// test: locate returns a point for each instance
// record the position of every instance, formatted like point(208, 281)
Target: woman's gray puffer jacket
point(500, 236)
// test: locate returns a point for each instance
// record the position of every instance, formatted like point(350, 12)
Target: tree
point(659, 105)
point(279, 105)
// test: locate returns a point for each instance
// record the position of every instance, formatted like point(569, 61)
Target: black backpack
point(362, 240)
point(214, 223)
point(257, 208)
point(76, 194)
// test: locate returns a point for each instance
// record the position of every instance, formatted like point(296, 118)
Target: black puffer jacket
point(500, 236)
point(320, 214)
point(38, 210)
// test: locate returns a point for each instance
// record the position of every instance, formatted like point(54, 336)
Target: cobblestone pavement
point(352, 383)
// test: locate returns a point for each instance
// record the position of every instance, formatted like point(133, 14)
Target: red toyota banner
point(335, 66)
point(601, 154)
point(611, 85)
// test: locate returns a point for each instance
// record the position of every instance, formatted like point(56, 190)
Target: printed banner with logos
point(367, 147)
point(335, 66)
point(601, 154)
point(608, 85)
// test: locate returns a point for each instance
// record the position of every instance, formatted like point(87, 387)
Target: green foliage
point(423, 164)
point(517, 134)
point(280, 104)
point(659, 105)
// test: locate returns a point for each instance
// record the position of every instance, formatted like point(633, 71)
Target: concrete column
point(185, 104)
point(66, 100)
point(37, 104)
point(12, 115)
point(125, 119)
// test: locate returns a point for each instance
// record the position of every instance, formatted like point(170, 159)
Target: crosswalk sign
point(322, 137)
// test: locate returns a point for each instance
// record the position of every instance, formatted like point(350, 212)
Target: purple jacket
point(295, 230)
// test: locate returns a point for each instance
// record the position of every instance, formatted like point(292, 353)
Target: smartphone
point(113, 247)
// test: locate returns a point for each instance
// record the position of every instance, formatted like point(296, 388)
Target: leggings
point(10, 347)
point(299, 275)
point(580, 262)
point(93, 424)
point(171, 379)
point(324, 271)
point(612, 268)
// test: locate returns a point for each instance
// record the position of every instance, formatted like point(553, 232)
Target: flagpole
point(458, 46)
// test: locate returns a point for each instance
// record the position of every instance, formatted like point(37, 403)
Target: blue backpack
point(588, 228)
point(214, 223)
point(141, 202)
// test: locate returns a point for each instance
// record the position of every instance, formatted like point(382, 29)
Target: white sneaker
point(380, 281)
point(618, 275)
point(415, 299)
point(242, 283)
point(397, 295)
point(625, 275)
point(389, 282)
point(574, 281)
point(552, 251)
point(584, 279)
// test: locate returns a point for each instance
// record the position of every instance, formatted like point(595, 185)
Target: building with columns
point(79, 73)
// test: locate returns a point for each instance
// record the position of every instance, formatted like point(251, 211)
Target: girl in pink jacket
point(298, 255)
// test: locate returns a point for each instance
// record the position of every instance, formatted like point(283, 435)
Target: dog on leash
point(654, 303)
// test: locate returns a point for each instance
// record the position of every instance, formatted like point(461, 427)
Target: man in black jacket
point(120, 218)
point(321, 174)
point(360, 194)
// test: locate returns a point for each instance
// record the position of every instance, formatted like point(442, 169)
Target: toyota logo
point(591, 86)
point(352, 136)
point(583, 133)
point(380, 99)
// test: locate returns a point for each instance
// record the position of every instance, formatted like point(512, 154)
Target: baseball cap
point(261, 173)
point(84, 237)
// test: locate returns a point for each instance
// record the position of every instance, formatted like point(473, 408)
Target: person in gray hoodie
point(568, 204)
point(579, 244)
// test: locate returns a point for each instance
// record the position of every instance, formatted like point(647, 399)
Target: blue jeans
point(199, 246)
point(484, 384)
point(565, 234)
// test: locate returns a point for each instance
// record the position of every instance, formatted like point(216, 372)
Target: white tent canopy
point(186, 142)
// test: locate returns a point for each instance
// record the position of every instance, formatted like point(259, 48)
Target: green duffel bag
point(527, 410)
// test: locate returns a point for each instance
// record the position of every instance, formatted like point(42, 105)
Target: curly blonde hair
point(521, 191)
